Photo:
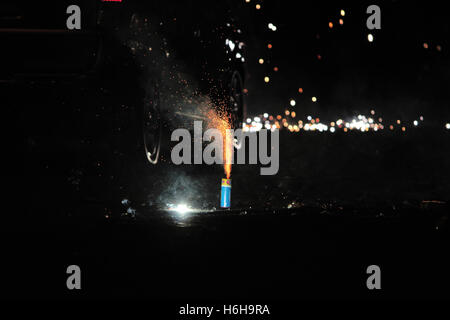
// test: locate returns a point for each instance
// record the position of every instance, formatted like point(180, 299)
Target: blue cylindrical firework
point(225, 195)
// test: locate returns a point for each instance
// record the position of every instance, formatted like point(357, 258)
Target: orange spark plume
point(222, 122)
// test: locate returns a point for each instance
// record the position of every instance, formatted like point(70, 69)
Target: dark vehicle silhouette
point(158, 40)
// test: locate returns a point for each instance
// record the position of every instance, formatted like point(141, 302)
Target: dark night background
point(340, 202)
point(353, 75)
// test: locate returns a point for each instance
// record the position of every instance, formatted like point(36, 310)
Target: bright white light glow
point(182, 209)
point(272, 27)
point(230, 44)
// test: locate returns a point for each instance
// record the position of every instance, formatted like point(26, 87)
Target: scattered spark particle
point(314, 99)
point(370, 37)
point(266, 79)
point(292, 102)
